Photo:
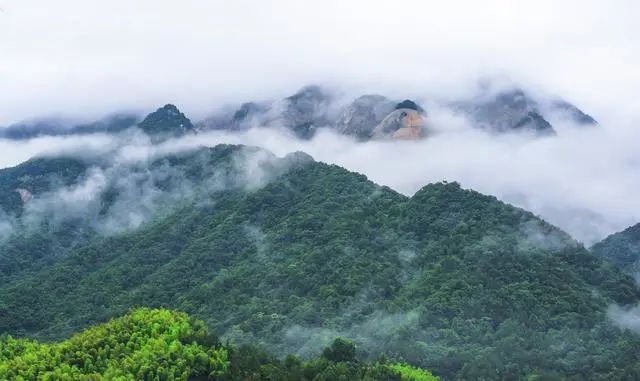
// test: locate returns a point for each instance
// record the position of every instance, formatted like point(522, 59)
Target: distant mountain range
point(370, 116)
point(375, 116)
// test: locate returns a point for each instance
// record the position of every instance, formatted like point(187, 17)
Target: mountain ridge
point(312, 250)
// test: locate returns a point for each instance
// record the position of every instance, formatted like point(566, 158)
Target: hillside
point(167, 345)
point(622, 249)
point(291, 253)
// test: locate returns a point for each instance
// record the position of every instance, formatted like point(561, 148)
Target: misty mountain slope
point(572, 113)
point(107, 198)
point(507, 111)
point(622, 249)
point(61, 127)
point(36, 176)
point(25, 238)
point(448, 278)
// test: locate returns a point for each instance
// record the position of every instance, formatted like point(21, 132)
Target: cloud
point(77, 58)
point(625, 318)
point(128, 183)
point(583, 180)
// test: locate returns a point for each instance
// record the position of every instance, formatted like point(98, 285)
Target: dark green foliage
point(448, 279)
point(36, 176)
point(341, 350)
point(622, 249)
point(165, 122)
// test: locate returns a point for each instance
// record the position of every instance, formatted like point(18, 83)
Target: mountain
point(305, 111)
point(291, 253)
point(160, 344)
point(622, 249)
point(361, 116)
point(370, 116)
point(572, 113)
point(375, 116)
point(166, 122)
point(506, 111)
point(405, 122)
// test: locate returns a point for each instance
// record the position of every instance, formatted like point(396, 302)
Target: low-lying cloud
point(584, 180)
point(625, 318)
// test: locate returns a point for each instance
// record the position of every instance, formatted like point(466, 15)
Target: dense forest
point(288, 254)
point(622, 249)
point(156, 344)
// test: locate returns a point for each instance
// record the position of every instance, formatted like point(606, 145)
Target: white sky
point(90, 57)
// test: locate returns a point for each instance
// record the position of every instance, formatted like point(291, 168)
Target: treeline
point(165, 345)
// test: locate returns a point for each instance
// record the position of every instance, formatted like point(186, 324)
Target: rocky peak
point(510, 110)
point(306, 110)
point(362, 115)
point(405, 122)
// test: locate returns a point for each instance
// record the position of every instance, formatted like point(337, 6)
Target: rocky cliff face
point(403, 123)
point(361, 117)
point(305, 111)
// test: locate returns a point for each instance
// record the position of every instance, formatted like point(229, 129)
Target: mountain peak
point(167, 121)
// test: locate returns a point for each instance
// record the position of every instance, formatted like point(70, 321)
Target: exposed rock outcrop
point(405, 122)
point(305, 111)
point(25, 195)
point(361, 116)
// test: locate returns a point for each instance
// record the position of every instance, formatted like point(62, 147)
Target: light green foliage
point(144, 345)
point(410, 373)
point(163, 345)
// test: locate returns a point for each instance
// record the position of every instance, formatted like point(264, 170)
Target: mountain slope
point(61, 127)
point(449, 279)
point(622, 249)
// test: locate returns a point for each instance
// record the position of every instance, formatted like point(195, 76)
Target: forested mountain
point(290, 253)
point(167, 345)
point(622, 248)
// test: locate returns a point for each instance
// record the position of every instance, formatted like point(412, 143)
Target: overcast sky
point(90, 57)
